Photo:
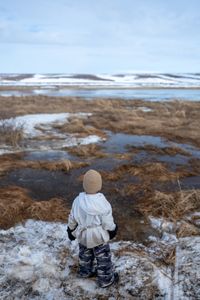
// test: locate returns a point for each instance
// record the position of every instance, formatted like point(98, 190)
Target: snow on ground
point(90, 139)
point(5, 150)
point(144, 109)
point(30, 122)
point(187, 271)
point(187, 264)
point(37, 261)
point(41, 125)
point(104, 80)
point(166, 229)
point(162, 225)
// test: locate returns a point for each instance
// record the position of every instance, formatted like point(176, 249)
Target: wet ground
point(123, 93)
point(44, 184)
point(116, 144)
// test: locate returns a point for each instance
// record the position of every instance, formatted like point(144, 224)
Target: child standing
point(91, 222)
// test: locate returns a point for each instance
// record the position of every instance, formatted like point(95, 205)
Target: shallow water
point(145, 94)
point(44, 184)
point(47, 155)
point(187, 183)
point(192, 182)
point(172, 161)
point(117, 143)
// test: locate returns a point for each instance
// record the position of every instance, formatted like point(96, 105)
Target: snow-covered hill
point(141, 80)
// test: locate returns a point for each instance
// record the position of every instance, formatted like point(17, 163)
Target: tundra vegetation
point(150, 187)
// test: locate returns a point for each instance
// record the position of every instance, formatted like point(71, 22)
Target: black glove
point(70, 235)
point(112, 233)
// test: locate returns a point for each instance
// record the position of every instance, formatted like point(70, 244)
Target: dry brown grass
point(162, 121)
point(148, 172)
point(62, 165)
point(111, 176)
point(45, 104)
point(78, 127)
point(172, 206)
point(134, 189)
point(12, 162)
point(87, 151)
point(160, 151)
point(11, 133)
point(130, 251)
point(13, 204)
point(51, 210)
point(17, 206)
point(169, 257)
point(187, 229)
point(178, 121)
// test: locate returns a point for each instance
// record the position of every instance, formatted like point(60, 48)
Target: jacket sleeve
point(72, 223)
point(107, 220)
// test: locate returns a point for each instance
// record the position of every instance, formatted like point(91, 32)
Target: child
point(91, 222)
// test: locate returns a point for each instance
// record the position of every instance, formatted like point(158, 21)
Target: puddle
point(191, 149)
point(172, 161)
point(47, 155)
point(44, 184)
point(188, 183)
point(106, 164)
point(177, 159)
point(192, 182)
point(117, 143)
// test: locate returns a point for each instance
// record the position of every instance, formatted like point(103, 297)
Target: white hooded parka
point(91, 218)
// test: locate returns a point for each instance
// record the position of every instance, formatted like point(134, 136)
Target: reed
point(172, 206)
point(11, 133)
point(17, 206)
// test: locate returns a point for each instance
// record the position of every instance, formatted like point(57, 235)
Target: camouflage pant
point(104, 266)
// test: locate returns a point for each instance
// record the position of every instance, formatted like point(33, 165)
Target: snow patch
point(162, 225)
point(38, 260)
point(5, 150)
point(29, 122)
point(187, 271)
point(164, 280)
point(42, 125)
point(144, 109)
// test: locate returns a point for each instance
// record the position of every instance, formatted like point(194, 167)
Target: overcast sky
point(99, 36)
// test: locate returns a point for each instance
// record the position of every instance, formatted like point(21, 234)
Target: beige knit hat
point(92, 182)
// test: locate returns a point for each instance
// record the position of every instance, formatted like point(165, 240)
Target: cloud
point(102, 34)
point(13, 32)
point(92, 23)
